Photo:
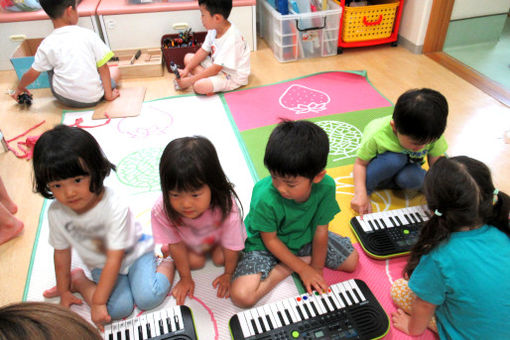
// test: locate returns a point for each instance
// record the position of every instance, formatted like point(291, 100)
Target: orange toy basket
point(368, 22)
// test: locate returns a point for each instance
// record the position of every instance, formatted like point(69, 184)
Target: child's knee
point(241, 295)
point(203, 86)
point(351, 262)
point(150, 301)
point(188, 57)
point(411, 177)
point(120, 309)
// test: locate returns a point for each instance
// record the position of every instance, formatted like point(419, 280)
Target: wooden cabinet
point(15, 25)
point(127, 26)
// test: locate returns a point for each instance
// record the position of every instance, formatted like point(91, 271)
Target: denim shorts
point(262, 261)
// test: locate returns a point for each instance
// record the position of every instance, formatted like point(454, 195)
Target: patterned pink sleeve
point(234, 232)
point(163, 230)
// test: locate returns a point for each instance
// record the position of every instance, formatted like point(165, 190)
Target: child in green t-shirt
point(393, 148)
point(289, 215)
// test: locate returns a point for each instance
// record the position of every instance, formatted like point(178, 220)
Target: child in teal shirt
point(289, 216)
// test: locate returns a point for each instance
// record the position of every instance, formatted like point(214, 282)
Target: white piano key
point(170, 321)
point(355, 287)
point(107, 332)
point(150, 321)
point(248, 317)
point(346, 297)
point(255, 318)
point(129, 327)
point(244, 325)
point(386, 218)
point(290, 305)
point(178, 318)
point(269, 314)
point(143, 324)
point(331, 294)
point(281, 308)
point(307, 302)
point(297, 310)
point(262, 315)
point(274, 309)
point(366, 228)
point(316, 300)
point(122, 327)
point(351, 294)
point(158, 322)
point(136, 324)
point(338, 294)
point(331, 305)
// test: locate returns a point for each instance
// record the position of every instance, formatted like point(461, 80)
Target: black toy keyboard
point(175, 323)
point(348, 310)
point(389, 233)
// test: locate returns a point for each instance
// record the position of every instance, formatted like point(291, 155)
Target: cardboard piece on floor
point(128, 104)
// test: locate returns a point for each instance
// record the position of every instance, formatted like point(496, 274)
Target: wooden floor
point(476, 126)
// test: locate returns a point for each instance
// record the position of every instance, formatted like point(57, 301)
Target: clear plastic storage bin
point(300, 35)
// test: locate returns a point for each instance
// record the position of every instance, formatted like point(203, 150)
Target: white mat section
point(134, 145)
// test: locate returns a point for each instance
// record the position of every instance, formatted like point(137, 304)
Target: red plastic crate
point(176, 54)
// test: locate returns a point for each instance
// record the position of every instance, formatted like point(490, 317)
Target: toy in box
point(174, 47)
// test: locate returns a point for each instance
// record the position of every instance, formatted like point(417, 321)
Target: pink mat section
point(378, 275)
point(312, 96)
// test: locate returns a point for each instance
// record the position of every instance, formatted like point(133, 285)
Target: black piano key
point(377, 224)
point(110, 337)
point(371, 225)
point(282, 320)
point(161, 328)
point(393, 221)
point(418, 216)
point(271, 326)
point(149, 335)
point(349, 295)
point(324, 303)
point(344, 300)
point(300, 312)
point(127, 335)
point(384, 224)
point(169, 324)
point(119, 336)
point(332, 302)
point(314, 308)
point(354, 292)
point(261, 322)
point(398, 220)
point(254, 325)
point(408, 219)
point(288, 316)
point(414, 219)
point(177, 324)
point(140, 332)
point(306, 310)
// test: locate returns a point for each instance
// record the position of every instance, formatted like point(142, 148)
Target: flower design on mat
point(302, 99)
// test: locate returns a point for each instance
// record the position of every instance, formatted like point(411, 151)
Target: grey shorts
point(71, 102)
point(262, 261)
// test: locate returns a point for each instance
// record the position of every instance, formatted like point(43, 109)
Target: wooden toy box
point(149, 64)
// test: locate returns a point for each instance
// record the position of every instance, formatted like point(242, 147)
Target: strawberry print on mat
point(312, 96)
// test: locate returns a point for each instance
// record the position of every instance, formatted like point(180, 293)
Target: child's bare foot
point(76, 275)
point(10, 229)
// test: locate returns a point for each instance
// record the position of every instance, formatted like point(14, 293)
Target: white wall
point(415, 20)
point(463, 9)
